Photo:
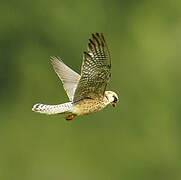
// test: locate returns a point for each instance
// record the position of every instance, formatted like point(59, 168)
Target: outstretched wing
point(68, 77)
point(95, 70)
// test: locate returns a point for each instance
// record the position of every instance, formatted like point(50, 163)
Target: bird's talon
point(69, 117)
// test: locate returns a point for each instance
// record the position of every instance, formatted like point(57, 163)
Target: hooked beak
point(114, 104)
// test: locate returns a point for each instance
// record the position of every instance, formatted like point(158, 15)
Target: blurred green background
point(138, 140)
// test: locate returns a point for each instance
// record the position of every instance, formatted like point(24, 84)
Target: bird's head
point(112, 97)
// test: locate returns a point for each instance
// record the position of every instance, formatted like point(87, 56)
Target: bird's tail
point(53, 109)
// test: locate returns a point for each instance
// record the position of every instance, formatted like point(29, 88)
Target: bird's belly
point(88, 106)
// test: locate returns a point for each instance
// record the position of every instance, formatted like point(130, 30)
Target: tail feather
point(53, 109)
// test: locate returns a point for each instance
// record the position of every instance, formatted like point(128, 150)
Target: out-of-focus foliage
point(140, 139)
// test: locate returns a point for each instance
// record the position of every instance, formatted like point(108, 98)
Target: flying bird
point(87, 91)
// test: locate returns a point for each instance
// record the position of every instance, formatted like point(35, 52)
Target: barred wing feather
point(95, 71)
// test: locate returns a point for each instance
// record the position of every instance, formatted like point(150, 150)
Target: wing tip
point(97, 34)
point(54, 58)
point(97, 39)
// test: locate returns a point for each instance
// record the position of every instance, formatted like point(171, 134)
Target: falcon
point(87, 91)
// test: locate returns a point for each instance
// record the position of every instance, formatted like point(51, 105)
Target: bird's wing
point(95, 71)
point(68, 77)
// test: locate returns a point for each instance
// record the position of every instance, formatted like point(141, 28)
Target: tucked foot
point(69, 117)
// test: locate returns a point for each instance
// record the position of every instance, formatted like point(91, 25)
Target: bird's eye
point(115, 100)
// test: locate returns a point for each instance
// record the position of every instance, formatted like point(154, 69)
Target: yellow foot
point(69, 117)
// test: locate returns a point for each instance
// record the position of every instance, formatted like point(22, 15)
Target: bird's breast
point(87, 106)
